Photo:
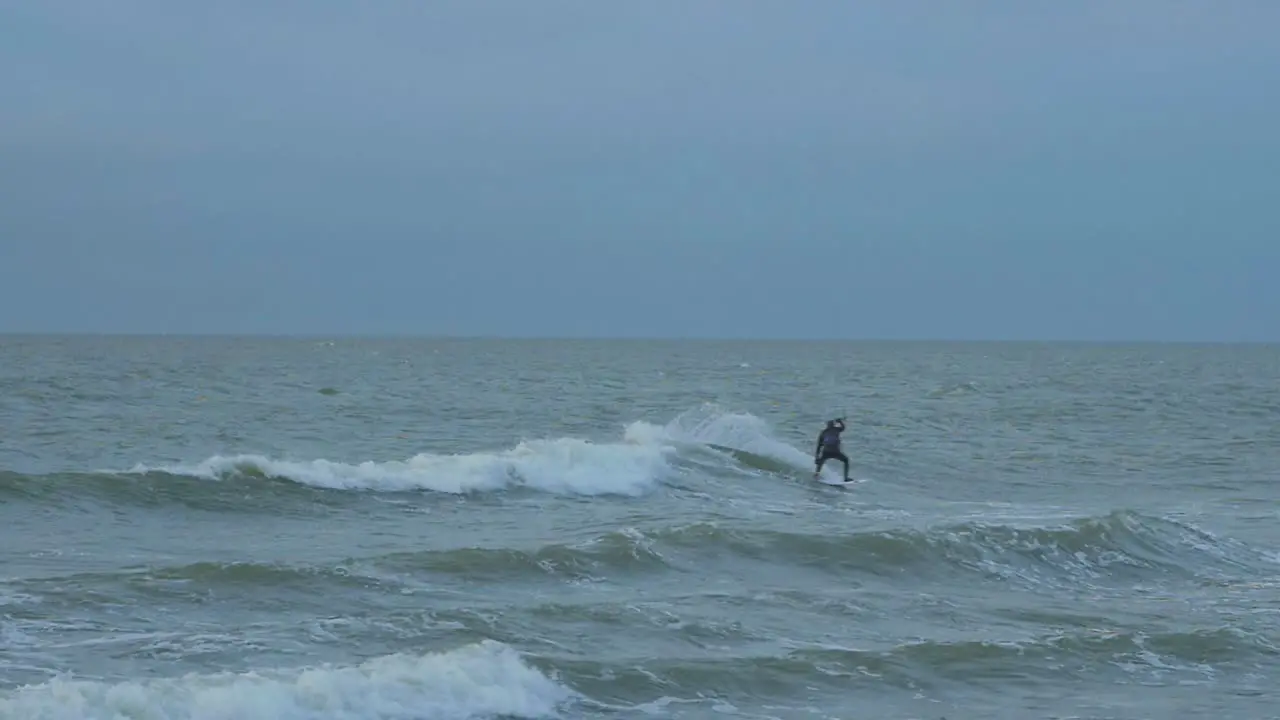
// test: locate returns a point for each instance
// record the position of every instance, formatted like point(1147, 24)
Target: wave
point(645, 457)
point(745, 437)
point(489, 679)
point(154, 488)
point(1120, 544)
point(1123, 547)
point(483, 680)
point(1127, 654)
point(609, 555)
point(562, 466)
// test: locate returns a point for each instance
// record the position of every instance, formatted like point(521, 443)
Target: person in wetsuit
point(829, 447)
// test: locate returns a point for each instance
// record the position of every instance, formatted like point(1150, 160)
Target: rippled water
point(394, 529)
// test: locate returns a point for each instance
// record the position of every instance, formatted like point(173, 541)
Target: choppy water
point(359, 529)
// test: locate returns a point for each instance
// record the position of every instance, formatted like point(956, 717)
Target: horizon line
point(617, 338)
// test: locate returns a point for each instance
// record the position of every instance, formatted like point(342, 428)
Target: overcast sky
point(989, 170)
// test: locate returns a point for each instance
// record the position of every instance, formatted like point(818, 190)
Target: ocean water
point(219, 528)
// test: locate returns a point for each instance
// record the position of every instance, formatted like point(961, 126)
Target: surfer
point(829, 447)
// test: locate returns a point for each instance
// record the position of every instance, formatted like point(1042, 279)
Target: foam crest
point(484, 680)
point(711, 425)
point(563, 466)
point(570, 466)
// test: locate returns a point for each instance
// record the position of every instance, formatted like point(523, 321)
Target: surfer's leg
point(845, 460)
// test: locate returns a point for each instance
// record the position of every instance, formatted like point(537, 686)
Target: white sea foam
point(484, 680)
point(711, 425)
point(564, 465)
point(569, 466)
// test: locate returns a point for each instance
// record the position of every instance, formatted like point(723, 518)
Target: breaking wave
point(484, 680)
point(562, 466)
point(646, 456)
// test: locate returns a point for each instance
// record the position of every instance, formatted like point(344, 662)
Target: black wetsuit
point(829, 448)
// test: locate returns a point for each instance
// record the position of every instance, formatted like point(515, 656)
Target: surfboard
point(827, 480)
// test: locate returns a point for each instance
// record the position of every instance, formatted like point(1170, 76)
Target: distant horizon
point(623, 338)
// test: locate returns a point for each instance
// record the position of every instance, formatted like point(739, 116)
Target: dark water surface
point(395, 529)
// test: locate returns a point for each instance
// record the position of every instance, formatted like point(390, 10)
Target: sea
point(219, 528)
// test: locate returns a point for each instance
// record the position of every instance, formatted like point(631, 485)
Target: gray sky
point(1084, 170)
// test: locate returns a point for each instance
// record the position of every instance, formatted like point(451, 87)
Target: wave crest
point(563, 466)
point(483, 680)
point(646, 456)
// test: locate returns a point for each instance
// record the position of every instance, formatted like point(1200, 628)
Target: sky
point(908, 170)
